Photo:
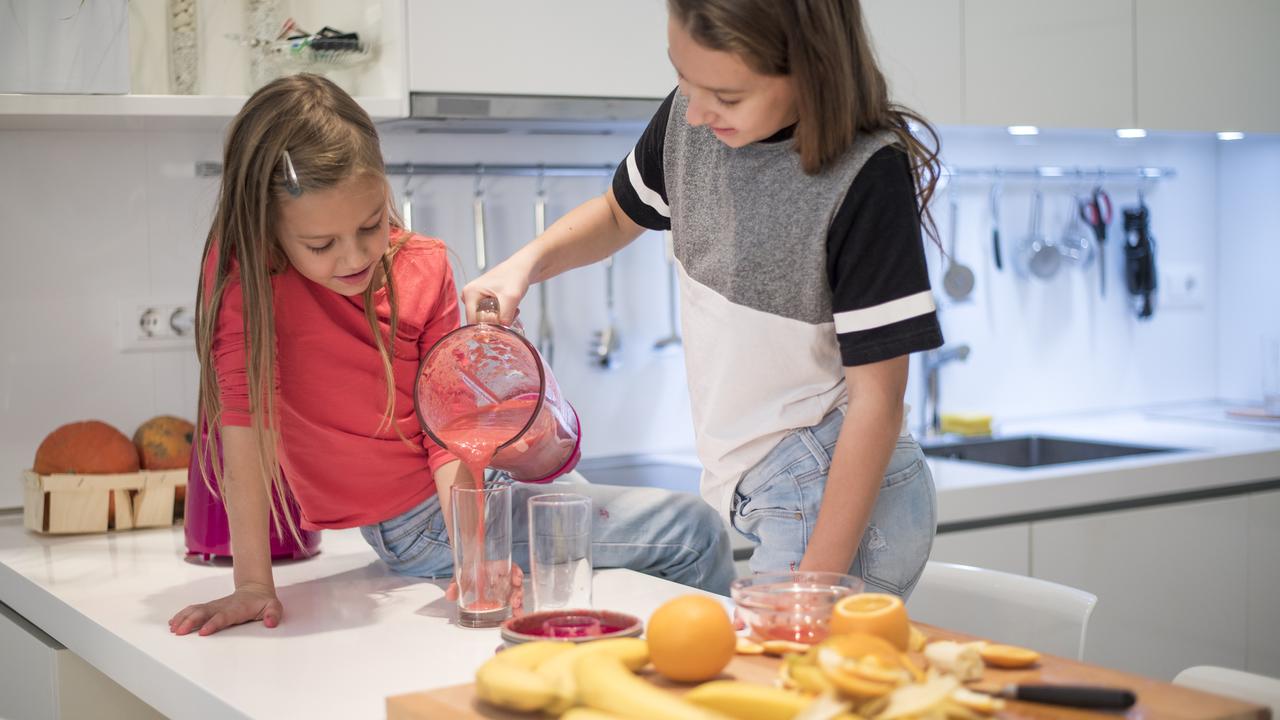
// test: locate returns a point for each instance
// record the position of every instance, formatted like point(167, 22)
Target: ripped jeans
point(775, 505)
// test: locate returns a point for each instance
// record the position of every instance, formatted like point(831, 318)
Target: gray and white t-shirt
point(785, 278)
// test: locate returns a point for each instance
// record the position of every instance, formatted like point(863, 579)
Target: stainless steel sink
point(1029, 451)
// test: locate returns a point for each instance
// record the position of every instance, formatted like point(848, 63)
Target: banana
point(508, 679)
point(581, 713)
point(532, 654)
point(604, 683)
point(745, 701)
point(558, 669)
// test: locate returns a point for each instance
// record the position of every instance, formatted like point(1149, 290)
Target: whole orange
point(691, 638)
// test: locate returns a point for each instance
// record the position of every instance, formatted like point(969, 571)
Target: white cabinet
point(600, 48)
point(1006, 547)
point(42, 680)
point(1049, 63)
point(1263, 613)
point(1208, 65)
point(1171, 582)
point(920, 45)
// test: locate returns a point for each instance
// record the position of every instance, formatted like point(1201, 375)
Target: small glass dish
point(580, 625)
point(793, 606)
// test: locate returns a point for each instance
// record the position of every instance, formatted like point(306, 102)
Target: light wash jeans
point(671, 535)
point(776, 506)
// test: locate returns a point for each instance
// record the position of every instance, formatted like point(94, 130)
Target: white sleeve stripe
point(646, 195)
point(888, 313)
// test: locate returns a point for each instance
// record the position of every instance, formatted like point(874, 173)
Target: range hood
point(533, 114)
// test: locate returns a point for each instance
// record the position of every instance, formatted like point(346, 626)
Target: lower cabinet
point(1173, 582)
point(1004, 547)
point(42, 680)
point(1262, 614)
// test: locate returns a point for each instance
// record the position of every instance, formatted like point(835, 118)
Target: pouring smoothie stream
point(485, 394)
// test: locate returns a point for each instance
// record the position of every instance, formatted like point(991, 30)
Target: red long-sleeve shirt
point(331, 391)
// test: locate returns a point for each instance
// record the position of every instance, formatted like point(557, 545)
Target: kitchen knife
point(1082, 696)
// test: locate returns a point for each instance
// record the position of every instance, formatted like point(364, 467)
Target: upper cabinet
point(920, 45)
point(601, 48)
point(1208, 65)
point(1050, 63)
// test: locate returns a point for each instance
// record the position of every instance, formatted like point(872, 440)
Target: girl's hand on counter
point(516, 599)
point(248, 603)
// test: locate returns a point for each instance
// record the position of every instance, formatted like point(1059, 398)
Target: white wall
point(1248, 230)
point(90, 218)
point(1041, 347)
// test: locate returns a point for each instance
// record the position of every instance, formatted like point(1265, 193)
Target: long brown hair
point(329, 139)
point(840, 91)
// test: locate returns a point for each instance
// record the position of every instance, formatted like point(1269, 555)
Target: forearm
point(245, 497)
point(589, 233)
point(867, 440)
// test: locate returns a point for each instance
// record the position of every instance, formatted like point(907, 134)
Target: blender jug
point(485, 394)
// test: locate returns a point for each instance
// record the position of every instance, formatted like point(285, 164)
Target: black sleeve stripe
point(881, 300)
point(639, 183)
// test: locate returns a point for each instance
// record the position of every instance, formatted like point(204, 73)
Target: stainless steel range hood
point(533, 114)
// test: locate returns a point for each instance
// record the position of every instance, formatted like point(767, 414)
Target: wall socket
point(147, 325)
point(1181, 285)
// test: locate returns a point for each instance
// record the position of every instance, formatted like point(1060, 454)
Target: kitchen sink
point(1027, 451)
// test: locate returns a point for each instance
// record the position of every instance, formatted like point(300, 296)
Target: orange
point(878, 614)
point(691, 638)
point(1008, 656)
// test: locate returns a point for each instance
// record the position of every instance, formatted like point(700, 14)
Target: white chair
point(1003, 607)
point(1238, 684)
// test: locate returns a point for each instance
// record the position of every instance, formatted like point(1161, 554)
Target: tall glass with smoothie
point(485, 394)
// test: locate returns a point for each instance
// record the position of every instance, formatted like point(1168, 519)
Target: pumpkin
point(91, 447)
point(164, 443)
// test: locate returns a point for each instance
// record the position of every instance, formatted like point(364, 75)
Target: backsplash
point(93, 218)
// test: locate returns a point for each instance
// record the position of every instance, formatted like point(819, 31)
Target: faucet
point(932, 361)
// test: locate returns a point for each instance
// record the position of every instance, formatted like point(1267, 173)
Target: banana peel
point(559, 668)
point(745, 701)
point(509, 680)
point(605, 684)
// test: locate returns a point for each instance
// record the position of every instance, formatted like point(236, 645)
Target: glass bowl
point(793, 606)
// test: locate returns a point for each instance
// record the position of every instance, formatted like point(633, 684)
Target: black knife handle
point(1083, 696)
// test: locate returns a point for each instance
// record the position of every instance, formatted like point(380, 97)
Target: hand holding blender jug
point(486, 395)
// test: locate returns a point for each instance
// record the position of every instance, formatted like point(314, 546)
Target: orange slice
point(782, 647)
point(1008, 656)
point(747, 646)
point(876, 614)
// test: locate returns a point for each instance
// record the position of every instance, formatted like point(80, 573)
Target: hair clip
point(291, 177)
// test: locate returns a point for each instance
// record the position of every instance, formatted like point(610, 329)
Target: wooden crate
point(63, 504)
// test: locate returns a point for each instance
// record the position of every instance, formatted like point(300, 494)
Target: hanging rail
point(214, 169)
point(1060, 172)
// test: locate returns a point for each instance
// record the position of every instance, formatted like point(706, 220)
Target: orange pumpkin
point(91, 447)
point(164, 443)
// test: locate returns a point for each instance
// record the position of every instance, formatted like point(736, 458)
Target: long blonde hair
point(329, 139)
point(823, 46)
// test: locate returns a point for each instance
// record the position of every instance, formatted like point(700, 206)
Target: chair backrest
point(1038, 614)
point(1238, 684)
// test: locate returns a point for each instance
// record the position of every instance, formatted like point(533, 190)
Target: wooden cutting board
point(1155, 699)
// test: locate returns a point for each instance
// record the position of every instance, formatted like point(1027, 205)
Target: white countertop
point(1217, 455)
point(353, 632)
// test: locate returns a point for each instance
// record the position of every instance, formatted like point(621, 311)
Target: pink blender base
point(207, 532)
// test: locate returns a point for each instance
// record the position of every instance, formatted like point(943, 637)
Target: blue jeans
point(776, 506)
point(675, 536)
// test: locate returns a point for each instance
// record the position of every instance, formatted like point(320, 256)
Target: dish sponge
point(965, 424)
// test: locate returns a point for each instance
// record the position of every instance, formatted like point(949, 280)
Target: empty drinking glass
point(560, 551)
point(1271, 374)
